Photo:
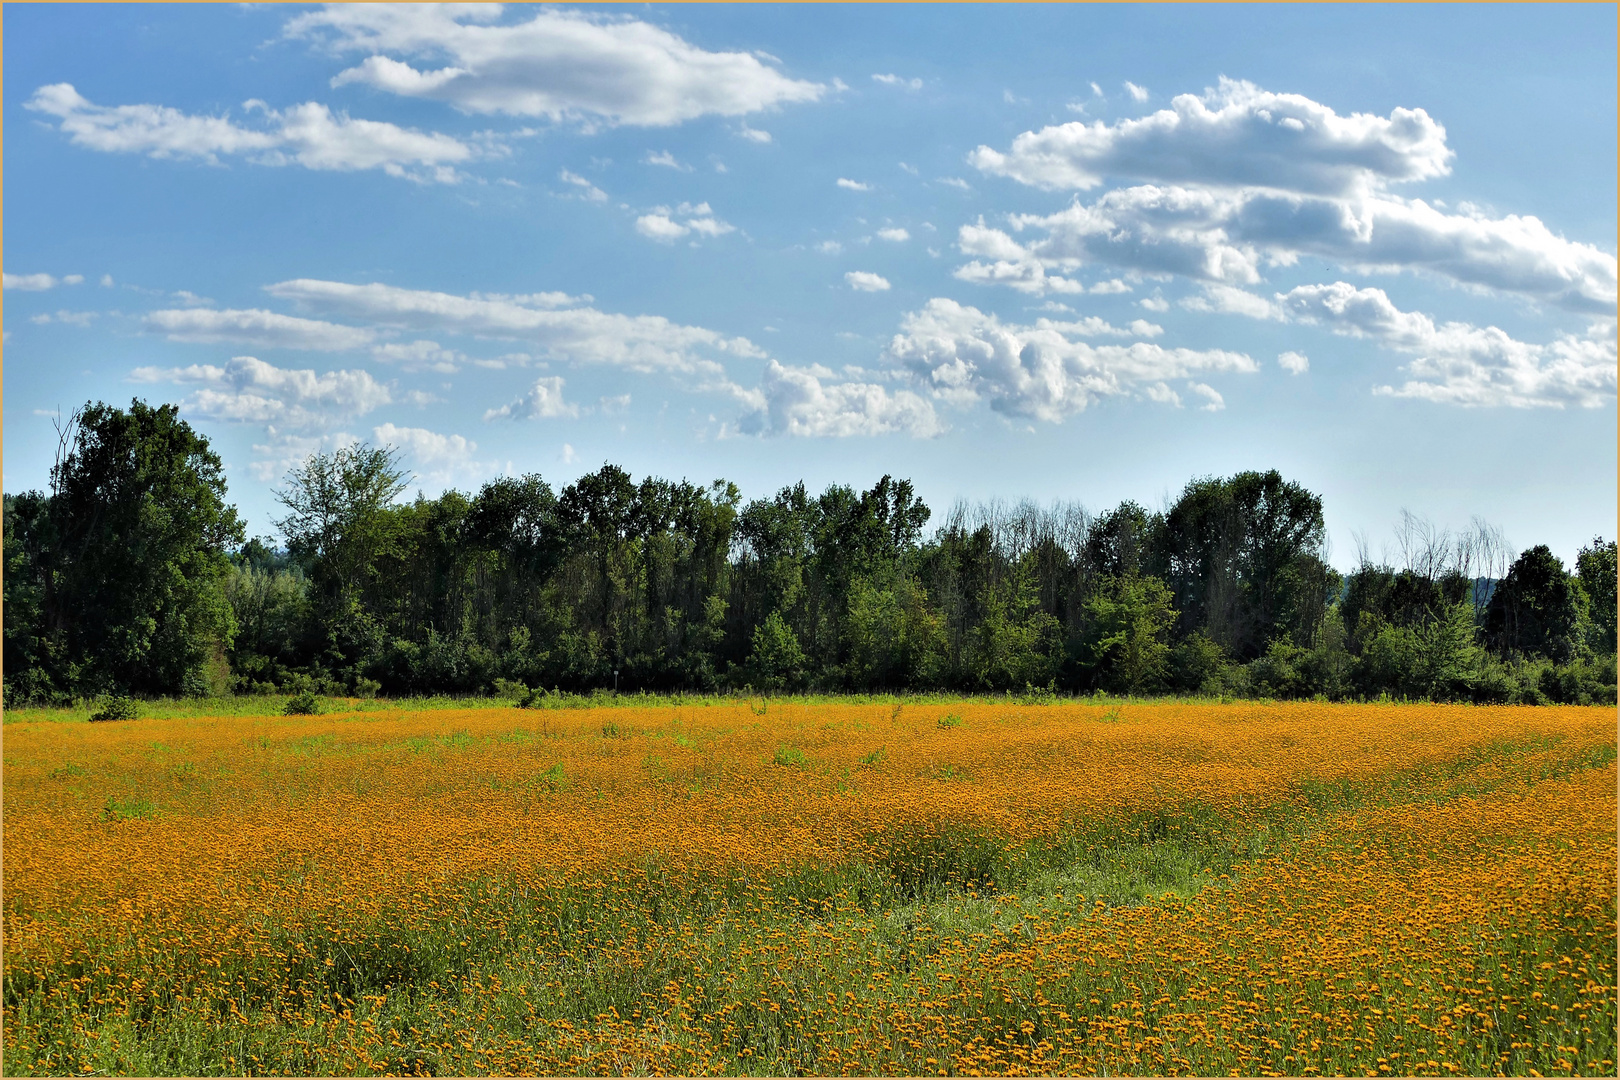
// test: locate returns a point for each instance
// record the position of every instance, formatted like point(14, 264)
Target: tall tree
point(127, 558)
point(1534, 609)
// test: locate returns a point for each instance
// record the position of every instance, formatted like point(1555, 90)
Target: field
point(890, 887)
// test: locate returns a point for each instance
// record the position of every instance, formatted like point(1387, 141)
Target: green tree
point(1534, 610)
point(1596, 568)
point(340, 525)
point(1131, 616)
point(777, 661)
point(124, 561)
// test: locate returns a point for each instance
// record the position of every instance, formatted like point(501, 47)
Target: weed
point(133, 808)
point(950, 720)
point(305, 704)
point(115, 708)
point(874, 758)
point(789, 755)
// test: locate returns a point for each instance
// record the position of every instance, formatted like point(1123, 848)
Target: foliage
point(114, 578)
point(1131, 618)
point(305, 704)
point(660, 586)
point(115, 708)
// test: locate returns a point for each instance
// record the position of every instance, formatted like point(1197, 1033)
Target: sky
point(1051, 252)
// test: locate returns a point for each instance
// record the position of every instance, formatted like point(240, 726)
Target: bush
point(115, 708)
point(305, 704)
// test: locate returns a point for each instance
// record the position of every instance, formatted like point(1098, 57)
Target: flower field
point(966, 888)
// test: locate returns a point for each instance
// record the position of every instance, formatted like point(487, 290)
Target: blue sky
point(1059, 252)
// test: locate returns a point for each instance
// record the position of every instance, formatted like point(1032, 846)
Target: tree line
point(133, 574)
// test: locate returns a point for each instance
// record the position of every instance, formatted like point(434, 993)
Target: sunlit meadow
point(707, 886)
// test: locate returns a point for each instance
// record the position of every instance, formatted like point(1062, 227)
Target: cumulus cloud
point(37, 282)
point(1295, 363)
point(963, 355)
point(588, 190)
point(559, 64)
point(1460, 364)
point(865, 281)
point(661, 223)
point(419, 356)
point(644, 343)
point(1242, 179)
point(829, 247)
point(796, 401)
point(255, 326)
point(753, 134)
point(248, 390)
point(439, 459)
point(309, 135)
point(894, 236)
point(666, 159)
point(1213, 402)
point(1229, 237)
point(1232, 301)
point(896, 80)
point(1235, 135)
point(544, 401)
point(853, 185)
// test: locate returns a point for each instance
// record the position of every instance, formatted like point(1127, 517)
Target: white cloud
point(73, 279)
point(443, 458)
point(956, 182)
point(1460, 364)
point(618, 403)
point(589, 190)
point(560, 64)
point(1234, 135)
point(829, 247)
point(644, 343)
point(568, 454)
point(753, 134)
point(419, 356)
point(894, 236)
point(1137, 93)
point(1231, 301)
point(1113, 285)
point(32, 282)
point(1295, 363)
point(963, 355)
point(661, 224)
point(544, 401)
point(865, 281)
point(666, 159)
point(853, 185)
point(248, 390)
point(1227, 237)
point(107, 281)
point(72, 318)
point(1097, 90)
point(1213, 402)
point(309, 135)
point(896, 80)
point(795, 401)
point(256, 326)
point(1154, 303)
point(660, 227)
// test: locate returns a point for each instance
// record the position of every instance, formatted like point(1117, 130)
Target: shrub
point(115, 708)
point(305, 704)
